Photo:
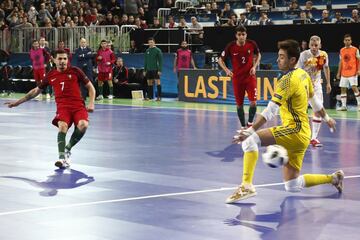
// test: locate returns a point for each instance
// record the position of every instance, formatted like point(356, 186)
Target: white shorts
point(318, 93)
point(345, 82)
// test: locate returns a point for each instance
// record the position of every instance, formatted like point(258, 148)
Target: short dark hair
point(291, 47)
point(240, 28)
point(347, 36)
point(60, 51)
point(103, 41)
point(34, 41)
point(151, 39)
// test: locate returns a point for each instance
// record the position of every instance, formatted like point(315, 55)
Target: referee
point(153, 68)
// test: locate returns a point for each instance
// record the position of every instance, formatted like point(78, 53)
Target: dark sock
point(150, 92)
point(252, 112)
point(241, 115)
point(75, 138)
point(61, 144)
point(111, 90)
point(100, 90)
point(159, 91)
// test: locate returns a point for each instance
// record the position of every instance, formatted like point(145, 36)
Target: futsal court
point(151, 171)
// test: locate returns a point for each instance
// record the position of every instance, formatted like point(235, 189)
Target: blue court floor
point(145, 173)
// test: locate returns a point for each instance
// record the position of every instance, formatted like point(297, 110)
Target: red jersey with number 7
point(66, 86)
point(241, 58)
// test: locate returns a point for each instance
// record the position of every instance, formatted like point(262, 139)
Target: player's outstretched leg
point(78, 133)
point(61, 139)
point(241, 115)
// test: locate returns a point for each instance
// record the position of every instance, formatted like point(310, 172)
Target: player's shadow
point(228, 154)
point(293, 214)
point(61, 179)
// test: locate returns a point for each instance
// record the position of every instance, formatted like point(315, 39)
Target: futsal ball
point(275, 156)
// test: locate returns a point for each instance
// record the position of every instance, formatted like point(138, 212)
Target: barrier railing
point(124, 41)
point(72, 36)
point(163, 14)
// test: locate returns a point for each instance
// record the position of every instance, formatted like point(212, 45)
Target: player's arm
point(175, 61)
point(222, 58)
point(193, 62)
point(89, 86)
point(319, 109)
point(339, 70)
point(30, 95)
point(327, 78)
point(256, 63)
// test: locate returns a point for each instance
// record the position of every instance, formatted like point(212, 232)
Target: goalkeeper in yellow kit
point(292, 94)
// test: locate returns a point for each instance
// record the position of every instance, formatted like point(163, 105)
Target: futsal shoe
point(249, 124)
point(316, 143)
point(158, 99)
point(337, 181)
point(243, 192)
point(110, 97)
point(100, 97)
point(342, 108)
point(62, 163)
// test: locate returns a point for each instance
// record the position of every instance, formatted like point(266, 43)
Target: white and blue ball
point(275, 156)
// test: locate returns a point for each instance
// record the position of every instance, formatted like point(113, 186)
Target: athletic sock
point(111, 90)
point(316, 124)
point(158, 91)
point(250, 159)
point(343, 100)
point(241, 115)
point(317, 179)
point(75, 138)
point(61, 144)
point(252, 112)
point(150, 92)
point(100, 90)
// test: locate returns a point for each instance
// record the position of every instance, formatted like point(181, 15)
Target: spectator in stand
point(105, 58)
point(116, 20)
point(139, 23)
point(43, 14)
point(83, 59)
point(156, 23)
point(207, 9)
point(109, 19)
point(131, 20)
point(38, 57)
point(215, 9)
point(114, 7)
point(25, 23)
point(227, 11)
point(264, 20)
point(141, 14)
point(132, 6)
point(101, 9)
point(32, 13)
point(61, 46)
point(82, 21)
point(309, 6)
point(304, 45)
point(124, 19)
point(294, 6)
point(338, 18)
point(355, 16)
point(171, 22)
point(304, 17)
point(182, 22)
point(91, 16)
point(169, 3)
point(58, 22)
point(47, 23)
point(325, 17)
point(196, 27)
point(232, 22)
point(3, 25)
point(133, 47)
point(121, 76)
point(249, 7)
point(244, 20)
point(14, 21)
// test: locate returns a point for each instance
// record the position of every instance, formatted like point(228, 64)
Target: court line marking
point(137, 198)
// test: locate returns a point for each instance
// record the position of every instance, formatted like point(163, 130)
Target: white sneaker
point(342, 108)
point(110, 97)
point(62, 163)
point(48, 97)
point(243, 192)
point(38, 97)
point(337, 181)
point(100, 97)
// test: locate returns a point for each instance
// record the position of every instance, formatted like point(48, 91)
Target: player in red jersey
point(245, 57)
point(70, 105)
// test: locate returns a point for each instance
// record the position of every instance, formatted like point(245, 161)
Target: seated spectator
point(156, 23)
point(140, 24)
point(207, 9)
point(304, 45)
point(232, 22)
point(355, 16)
point(227, 11)
point(264, 20)
point(249, 7)
point(215, 9)
point(196, 30)
point(244, 20)
point(124, 19)
point(171, 22)
point(309, 6)
point(82, 21)
point(294, 6)
point(133, 47)
point(131, 20)
point(325, 17)
point(304, 18)
point(182, 22)
point(116, 20)
point(120, 73)
point(109, 19)
point(338, 18)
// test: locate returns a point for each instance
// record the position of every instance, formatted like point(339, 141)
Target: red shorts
point(39, 74)
point(240, 87)
point(70, 116)
point(102, 76)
